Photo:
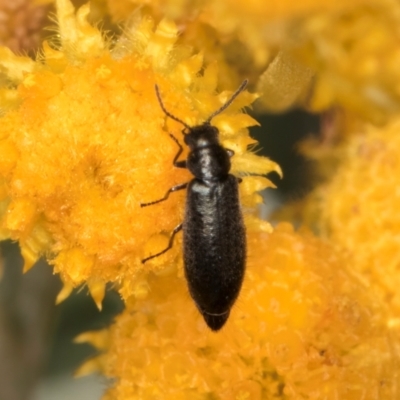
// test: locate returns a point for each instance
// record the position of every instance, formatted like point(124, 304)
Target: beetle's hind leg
point(170, 244)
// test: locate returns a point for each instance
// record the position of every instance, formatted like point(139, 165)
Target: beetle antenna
point(229, 102)
point(168, 114)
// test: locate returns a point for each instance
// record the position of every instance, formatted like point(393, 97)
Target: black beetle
point(214, 237)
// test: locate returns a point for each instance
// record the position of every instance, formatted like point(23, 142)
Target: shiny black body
point(214, 241)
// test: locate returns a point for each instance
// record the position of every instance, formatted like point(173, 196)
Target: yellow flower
point(358, 207)
point(351, 53)
point(310, 53)
point(304, 327)
point(355, 53)
point(85, 142)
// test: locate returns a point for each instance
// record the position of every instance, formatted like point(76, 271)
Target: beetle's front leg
point(171, 190)
point(178, 164)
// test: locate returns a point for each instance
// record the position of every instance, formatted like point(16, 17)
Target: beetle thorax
point(209, 163)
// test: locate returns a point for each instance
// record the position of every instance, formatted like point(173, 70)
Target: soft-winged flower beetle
point(214, 237)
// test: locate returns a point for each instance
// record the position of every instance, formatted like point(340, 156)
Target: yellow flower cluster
point(256, 10)
point(348, 48)
point(305, 327)
point(358, 207)
point(355, 54)
point(89, 142)
point(83, 141)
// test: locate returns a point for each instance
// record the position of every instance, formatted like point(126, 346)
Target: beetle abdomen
point(214, 245)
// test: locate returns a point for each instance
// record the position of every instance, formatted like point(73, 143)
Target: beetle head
point(206, 130)
point(201, 136)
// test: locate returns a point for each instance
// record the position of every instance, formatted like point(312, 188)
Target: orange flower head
point(86, 142)
point(304, 327)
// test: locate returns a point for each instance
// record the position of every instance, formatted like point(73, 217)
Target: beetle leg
point(170, 244)
point(178, 164)
point(171, 190)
